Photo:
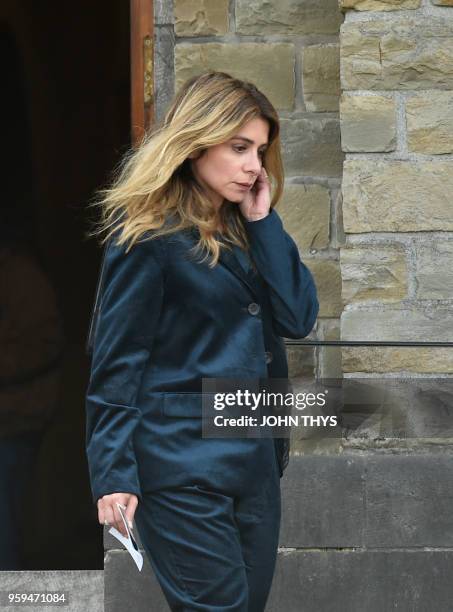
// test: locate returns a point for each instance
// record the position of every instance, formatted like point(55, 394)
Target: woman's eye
point(241, 149)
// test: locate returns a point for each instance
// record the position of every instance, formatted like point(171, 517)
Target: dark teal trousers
point(212, 551)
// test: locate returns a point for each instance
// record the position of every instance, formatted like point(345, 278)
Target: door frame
point(142, 68)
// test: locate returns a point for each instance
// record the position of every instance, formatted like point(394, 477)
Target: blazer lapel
point(229, 260)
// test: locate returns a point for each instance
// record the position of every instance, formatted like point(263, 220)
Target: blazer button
point(268, 356)
point(254, 308)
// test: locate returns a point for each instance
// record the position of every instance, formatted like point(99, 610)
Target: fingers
point(108, 511)
point(119, 523)
point(130, 510)
point(105, 512)
point(109, 516)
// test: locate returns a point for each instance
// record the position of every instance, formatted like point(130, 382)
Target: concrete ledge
point(315, 581)
point(354, 581)
point(383, 500)
point(128, 589)
point(323, 501)
point(83, 589)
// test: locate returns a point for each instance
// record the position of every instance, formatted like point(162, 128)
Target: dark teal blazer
point(164, 321)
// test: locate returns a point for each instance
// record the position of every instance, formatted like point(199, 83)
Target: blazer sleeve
point(129, 310)
point(291, 288)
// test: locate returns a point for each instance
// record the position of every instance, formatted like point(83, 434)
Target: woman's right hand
point(108, 510)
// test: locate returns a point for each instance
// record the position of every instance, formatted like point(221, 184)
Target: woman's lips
point(244, 186)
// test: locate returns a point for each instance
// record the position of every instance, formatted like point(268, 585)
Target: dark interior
point(66, 85)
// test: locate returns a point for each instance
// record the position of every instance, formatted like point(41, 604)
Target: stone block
point(357, 580)
point(269, 66)
point(368, 123)
point(326, 273)
point(408, 501)
point(322, 502)
point(434, 271)
point(404, 53)
point(83, 589)
point(321, 77)
point(305, 213)
point(395, 413)
point(397, 196)
point(373, 272)
point(421, 360)
point(301, 361)
point(312, 147)
point(163, 12)
point(429, 118)
point(163, 69)
point(287, 17)
point(407, 323)
point(201, 17)
point(125, 585)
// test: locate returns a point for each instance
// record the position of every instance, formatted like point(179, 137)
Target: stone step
point(83, 589)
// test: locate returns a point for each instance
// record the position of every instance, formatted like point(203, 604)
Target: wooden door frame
point(142, 68)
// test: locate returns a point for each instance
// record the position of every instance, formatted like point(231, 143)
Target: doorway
point(67, 112)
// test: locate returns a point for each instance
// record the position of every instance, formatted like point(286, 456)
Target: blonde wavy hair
point(154, 191)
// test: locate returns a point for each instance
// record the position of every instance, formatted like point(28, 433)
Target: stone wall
point(397, 132)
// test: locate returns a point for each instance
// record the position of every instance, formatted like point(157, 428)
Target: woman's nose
point(253, 163)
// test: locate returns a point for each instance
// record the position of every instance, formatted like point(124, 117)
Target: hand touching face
point(257, 200)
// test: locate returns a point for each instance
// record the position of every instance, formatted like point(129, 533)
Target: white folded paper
point(129, 543)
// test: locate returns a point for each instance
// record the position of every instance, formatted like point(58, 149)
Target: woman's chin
point(235, 199)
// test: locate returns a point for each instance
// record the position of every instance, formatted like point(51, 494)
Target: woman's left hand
point(257, 201)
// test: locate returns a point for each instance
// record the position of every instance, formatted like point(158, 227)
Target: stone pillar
point(397, 133)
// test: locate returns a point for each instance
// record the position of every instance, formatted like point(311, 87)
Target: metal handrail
point(363, 343)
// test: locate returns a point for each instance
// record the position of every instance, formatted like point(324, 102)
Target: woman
point(199, 281)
